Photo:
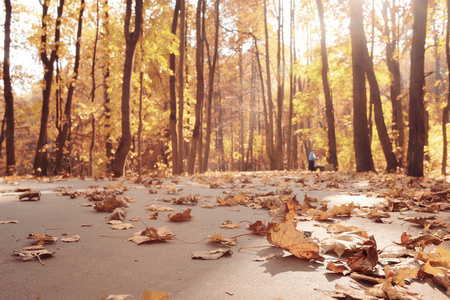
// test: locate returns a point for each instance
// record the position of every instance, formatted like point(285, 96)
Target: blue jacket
point(312, 156)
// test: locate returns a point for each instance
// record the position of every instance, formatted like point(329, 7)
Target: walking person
point(312, 160)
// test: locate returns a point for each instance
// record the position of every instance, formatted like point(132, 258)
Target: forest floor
point(78, 255)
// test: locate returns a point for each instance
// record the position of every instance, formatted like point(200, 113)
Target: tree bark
point(363, 152)
point(416, 92)
point(212, 71)
point(200, 87)
point(131, 38)
point(9, 98)
point(107, 98)
point(40, 164)
point(66, 123)
point(280, 95)
point(173, 96)
point(329, 109)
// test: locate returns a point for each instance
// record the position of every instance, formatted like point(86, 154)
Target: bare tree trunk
point(62, 136)
point(363, 153)
point(173, 96)
point(269, 127)
point(106, 97)
point(131, 41)
point(446, 110)
point(181, 86)
point(212, 71)
point(40, 164)
point(416, 92)
point(280, 95)
point(9, 99)
point(329, 109)
point(200, 88)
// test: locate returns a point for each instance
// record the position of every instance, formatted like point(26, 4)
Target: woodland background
point(101, 87)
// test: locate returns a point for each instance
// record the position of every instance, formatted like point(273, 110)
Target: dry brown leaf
point(122, 226)
point(366, 259)
point(339, 228)
point(42, 238)
point(347, 241)
point(208, 206)
point(110, 204)
point(264, 258)
point(229, 225)
point(153, 216)
point(184, 216)
point(343, 210)
point(212, 255)
point(338, 267)
point(420, 241)
point(152, 234)
point(27, 255)
point(258, 226)
point(286, 236)
point(72, 239)
point(119, 213)
point(223, 240)
point(156, 295)
point(159, 208)
point(31, 195)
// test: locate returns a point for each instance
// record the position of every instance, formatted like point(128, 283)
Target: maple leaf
point(110, 204)
point(118, 214)
point(347, 241)
point(287, 237)
point(258, 226)
point(229, 225)
point(30, 254)
point(122, 226)
point(339, 228)
point(212, 255)
point(184, 216)
point(343, 210)
point(153, 216)
point(152, 234)
point(420, 241)
point(367, 257)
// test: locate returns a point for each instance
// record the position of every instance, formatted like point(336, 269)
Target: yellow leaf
point(156, 295)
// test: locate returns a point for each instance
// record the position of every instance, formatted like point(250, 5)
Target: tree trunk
point(280, 95)
point(173, 96)
point(416, 92)
point(181, 86)
point(446, 110)
point(200, 87)
point(363, 153)
point(269, 127)
point(391, 37)
point(62, 136)
point(106, 97)
point(131, 41)
point(40, 164)
point(212, 71)
point(9, 99)
point(329, 109)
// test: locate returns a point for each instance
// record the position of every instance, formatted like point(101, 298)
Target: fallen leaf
point(264, 258)
point(119, 213)
point(208, 206)
point(152, 234)
point(366, 259)
point(42, 238)
point(153, 216)
point(86, 225)
point(117, 297)
point(156, 295)
point(223, 240)
point(339, 228)
point(212, 255)
point(31, 195)
point(9, 222)
point(159, 208)
point(122, 226)
point(338, 267)
point(184, 216)
point(27, 255)
point(110, 204)
point(72, 239)
point(347, 241)
point(229, 225)
point(258, 226)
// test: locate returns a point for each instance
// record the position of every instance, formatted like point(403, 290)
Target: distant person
point(312, 160)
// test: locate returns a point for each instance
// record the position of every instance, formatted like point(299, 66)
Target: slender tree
point(329, 109)
point(280, 92)
point(416, 92)
point(62, 135)
point(212, 71)
point(200, 86)
point(363, 153)
point(40, 164)
point(9, 99)
point(173, 95)
point(131, 38)
point(446, 109)
point(106, 95)
point(181, 86)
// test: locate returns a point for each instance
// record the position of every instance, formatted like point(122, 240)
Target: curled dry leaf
point(153, 216)
point(264, 258)
point(208, 206)
point(339, 228)
point(152, 234)
point(420, 241)
point(184, 216)
point(347, 241)
point(223, 240)
point(212, 255)
point(118, 214)
point(366, 259)
point(72, 239)
point(159, 208)
point(339, 267)
point(117, 297)
point(30, 196)
point(110, 204)
point(258, 226)
point(42, 238)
